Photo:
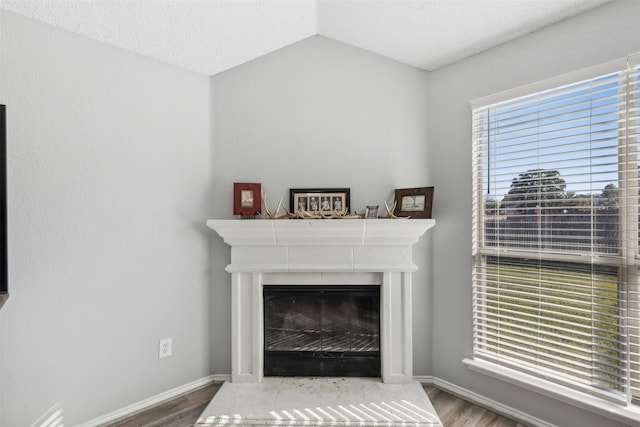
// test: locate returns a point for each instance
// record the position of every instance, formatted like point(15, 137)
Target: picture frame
point(414, 202)
point(247, 199)
point(371, 212)
point(320, 200)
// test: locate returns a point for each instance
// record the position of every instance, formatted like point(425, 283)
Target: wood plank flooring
point(456, 412)
point(184, 410)
point(181, 411)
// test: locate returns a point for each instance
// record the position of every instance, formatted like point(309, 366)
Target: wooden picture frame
point(371, 212)
point(247, 199)
point(320, 200)
point(414, 202)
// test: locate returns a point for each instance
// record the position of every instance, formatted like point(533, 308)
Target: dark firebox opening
point(322, 331)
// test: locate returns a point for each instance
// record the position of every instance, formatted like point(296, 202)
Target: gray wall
point(592, 38)
point(112, 175)
point(320, 114)
point(109, 188)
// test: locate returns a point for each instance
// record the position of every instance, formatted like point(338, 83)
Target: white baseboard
point(220, 378)
point(151, 401)
point(480, 400)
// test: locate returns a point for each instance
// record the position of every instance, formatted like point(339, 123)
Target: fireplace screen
point(322, 330)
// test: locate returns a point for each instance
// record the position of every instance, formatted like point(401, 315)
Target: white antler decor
point(276, 214)
point(304, 214)
point(390, 214)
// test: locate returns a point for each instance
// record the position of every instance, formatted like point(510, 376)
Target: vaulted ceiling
point(211, 36)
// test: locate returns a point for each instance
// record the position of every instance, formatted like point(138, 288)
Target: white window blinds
point(556, 243)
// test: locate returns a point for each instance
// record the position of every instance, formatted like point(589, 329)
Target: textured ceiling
point(211, 36)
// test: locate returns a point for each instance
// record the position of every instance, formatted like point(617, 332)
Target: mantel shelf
point(320, 232)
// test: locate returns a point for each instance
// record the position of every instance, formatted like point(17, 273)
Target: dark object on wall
point(414, 202)
point(4, 261)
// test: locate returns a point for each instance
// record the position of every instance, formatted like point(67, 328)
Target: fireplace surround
point(335, 253)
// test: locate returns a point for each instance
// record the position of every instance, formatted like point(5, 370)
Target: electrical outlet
point(165, 348)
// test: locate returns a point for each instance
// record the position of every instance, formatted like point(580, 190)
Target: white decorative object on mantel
point(376, 252)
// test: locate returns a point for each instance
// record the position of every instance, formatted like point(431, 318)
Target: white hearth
point(320, 402)
point(376, 252)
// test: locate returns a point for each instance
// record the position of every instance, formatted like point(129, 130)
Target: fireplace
point(322, 331)
point(326, 256)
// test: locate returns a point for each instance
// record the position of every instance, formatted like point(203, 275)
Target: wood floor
point(184, 410)
point(181, 411)
point(456, 412)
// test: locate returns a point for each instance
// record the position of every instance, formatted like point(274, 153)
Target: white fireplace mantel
point(321, 245)
point(375, 252)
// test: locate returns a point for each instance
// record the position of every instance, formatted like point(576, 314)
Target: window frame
point(627, 262)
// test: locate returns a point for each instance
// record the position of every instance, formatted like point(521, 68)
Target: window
point(556, 244)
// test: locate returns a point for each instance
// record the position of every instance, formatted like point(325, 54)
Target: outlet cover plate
point(165, 348)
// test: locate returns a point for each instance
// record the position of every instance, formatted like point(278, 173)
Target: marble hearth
point(376, 252)
point(320, 402)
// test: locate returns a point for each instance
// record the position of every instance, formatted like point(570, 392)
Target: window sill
point(624, 414)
